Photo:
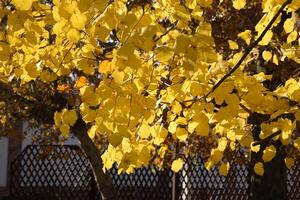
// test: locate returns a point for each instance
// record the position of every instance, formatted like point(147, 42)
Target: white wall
point(3, 160)
point(28, 139)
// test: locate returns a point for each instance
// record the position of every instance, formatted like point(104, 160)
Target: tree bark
point(103, 180)
point(272, 185)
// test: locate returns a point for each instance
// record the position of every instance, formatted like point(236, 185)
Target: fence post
point(176, 186)
point(272, 185)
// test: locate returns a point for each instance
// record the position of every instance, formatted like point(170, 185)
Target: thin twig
point(168, 31)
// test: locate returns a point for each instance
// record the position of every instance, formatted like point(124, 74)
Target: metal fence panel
point(63, 172)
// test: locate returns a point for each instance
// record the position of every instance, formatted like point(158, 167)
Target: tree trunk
point(272, 185)
point(103, 180)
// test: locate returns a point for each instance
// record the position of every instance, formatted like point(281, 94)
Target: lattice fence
point(63, 172)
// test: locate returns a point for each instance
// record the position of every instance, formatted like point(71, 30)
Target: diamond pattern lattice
point(52, 172)
point(62, 172)
point(143, 184)
point(196, 183)
point(293, 183)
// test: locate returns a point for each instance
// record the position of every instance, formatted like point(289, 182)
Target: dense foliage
point(155, 80)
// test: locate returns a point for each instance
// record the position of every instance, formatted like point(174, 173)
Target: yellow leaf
point(105, 67)
point(144, 131)
point(92, 132)
point(233, 45)
point(239, 4)
point(203, 127)
point(65, 130)
point(118, 77)
point(255, 148)
point(69, 117)
point(231, 135)
point(181, 12)
point(57, 119)
point(102, 33)
point(222, 144)
point(267, 55)
point(177, 165)
point(289, 25)
point(89, 96)
point(216, 155)
point(292, 36)
point(267, 38)
point(73, 35)
point(164, 54)
point(172, 127)
point(80, 82)
point(192, 126)
point(297, 143)
point(289, 162)
point(205, 3)
point(23, 4)
point(246, 36)
point(196, 89)
point(269, 153)
point(115, 139)
point(78, 20)
point(224, 169)
point(181, 134)
point(181, 44)
point(259, 169)
point(63, 88)
point(275, 59)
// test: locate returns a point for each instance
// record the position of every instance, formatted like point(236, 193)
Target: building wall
point(3, 160)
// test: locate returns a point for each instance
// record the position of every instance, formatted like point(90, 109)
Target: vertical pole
point(174, 183)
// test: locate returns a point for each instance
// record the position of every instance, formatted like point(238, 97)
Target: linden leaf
point(297, 143)
point(181, 134)
point(267, 38)
point(73, 35)
point(239, 4)
point(65, 130)
point(203, 127)
point(177, 165)
point(105, 67)
point(172, 127)
point(69, 117)
point(118, 77)
point(144, 131)
point(80, 82)
point(224, 169)
point(57, 119)
point(23, 4)
point(267, 55)
point(233, 45)
point(92, 132)
point(289, 162)
point(289, 25)
point(259, 169)
point(292, 36)
point(115, 139)
point(222, 144)
point(246, 36)
point(255, 148)
point(78, 20)
point(64, 88)
point(269, 153)
point(216, 155)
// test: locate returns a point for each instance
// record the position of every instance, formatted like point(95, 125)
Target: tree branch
point(267, 138)
point(249, 49)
